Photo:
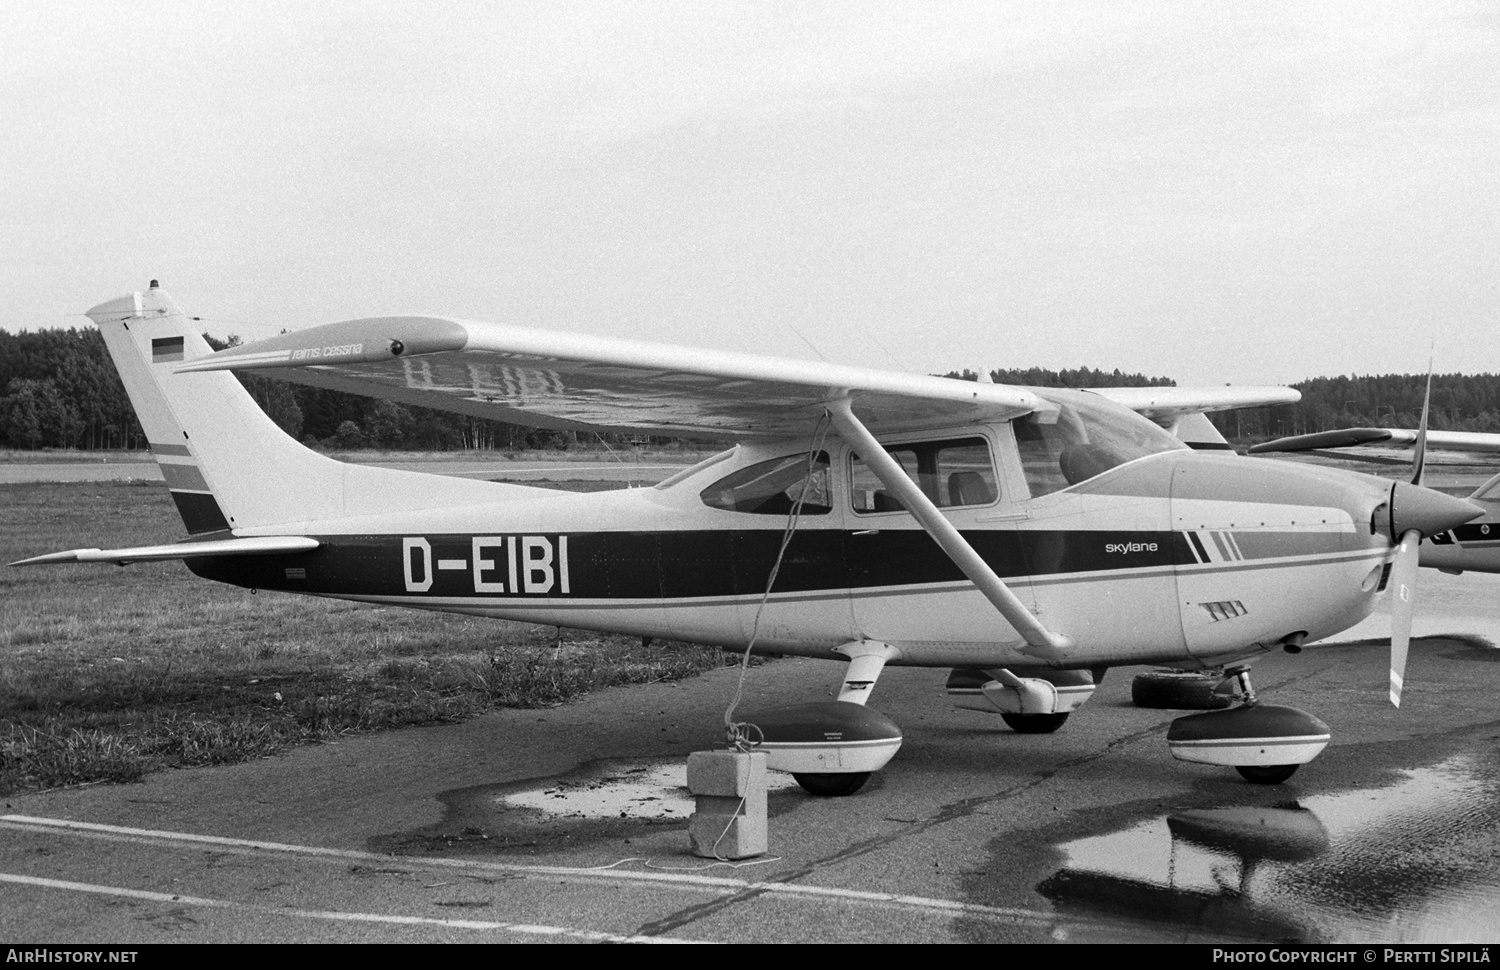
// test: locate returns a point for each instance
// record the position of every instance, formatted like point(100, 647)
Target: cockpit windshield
point(1080, 435)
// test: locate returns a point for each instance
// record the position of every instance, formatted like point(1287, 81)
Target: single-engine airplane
point(1471, 547)
point(1029, 538)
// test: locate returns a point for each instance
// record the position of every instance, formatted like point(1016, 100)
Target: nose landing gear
point(1265, 743)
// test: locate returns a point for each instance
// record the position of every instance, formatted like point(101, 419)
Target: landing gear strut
point(1241, 678)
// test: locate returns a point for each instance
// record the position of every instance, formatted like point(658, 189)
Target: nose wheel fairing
point(1249, 736)
point(1264, 742)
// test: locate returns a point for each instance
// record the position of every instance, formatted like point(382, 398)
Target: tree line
point(59, 389)
point(1460, 402)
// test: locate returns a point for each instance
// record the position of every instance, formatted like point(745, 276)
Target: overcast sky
point(1216, 192)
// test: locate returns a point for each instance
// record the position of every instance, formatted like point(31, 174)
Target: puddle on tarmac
point(620, 789)
point(603, 802)
point(1415, 862)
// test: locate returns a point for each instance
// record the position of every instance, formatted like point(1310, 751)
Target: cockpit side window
point(953, 473)
point(773, 487)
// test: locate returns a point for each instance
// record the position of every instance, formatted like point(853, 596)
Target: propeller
point(1419, 454)
point(1404, 593)
point(1404, 570)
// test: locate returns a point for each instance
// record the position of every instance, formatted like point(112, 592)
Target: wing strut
point(1042, 642)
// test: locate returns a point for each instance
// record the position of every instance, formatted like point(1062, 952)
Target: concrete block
point(722, 772)
point(730, 792)
point(727, 836)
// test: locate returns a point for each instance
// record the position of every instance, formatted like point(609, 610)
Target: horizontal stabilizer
point(251, 546)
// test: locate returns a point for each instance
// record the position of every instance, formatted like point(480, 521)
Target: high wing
point(575, 381)
point(1388, 438)
point(1181, 410)
point(559, 380)
point(1166, 404)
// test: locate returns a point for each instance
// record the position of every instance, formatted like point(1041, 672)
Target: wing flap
point(249, 546)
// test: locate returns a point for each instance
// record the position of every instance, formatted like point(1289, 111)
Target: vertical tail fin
point(229, 466)
point(226, 463)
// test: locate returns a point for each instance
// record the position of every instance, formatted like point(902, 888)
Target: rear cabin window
point(952, 473)
point(773, 487)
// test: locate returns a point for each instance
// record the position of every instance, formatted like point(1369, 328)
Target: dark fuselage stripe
point(473, 602)
point(1197, 543)
point(655, 566)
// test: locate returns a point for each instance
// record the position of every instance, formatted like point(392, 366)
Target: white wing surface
point(1389, 438)
point(1164, 405)
point(563, 380)
point(1181, 410)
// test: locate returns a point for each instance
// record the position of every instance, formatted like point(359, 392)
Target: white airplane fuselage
point(1178, 557)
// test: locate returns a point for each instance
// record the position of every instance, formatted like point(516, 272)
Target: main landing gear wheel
point(1033, 723)
point(1266, 774)
point(832, 785)
point(1178, 690)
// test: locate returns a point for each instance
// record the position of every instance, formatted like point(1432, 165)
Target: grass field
point(109, 673)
